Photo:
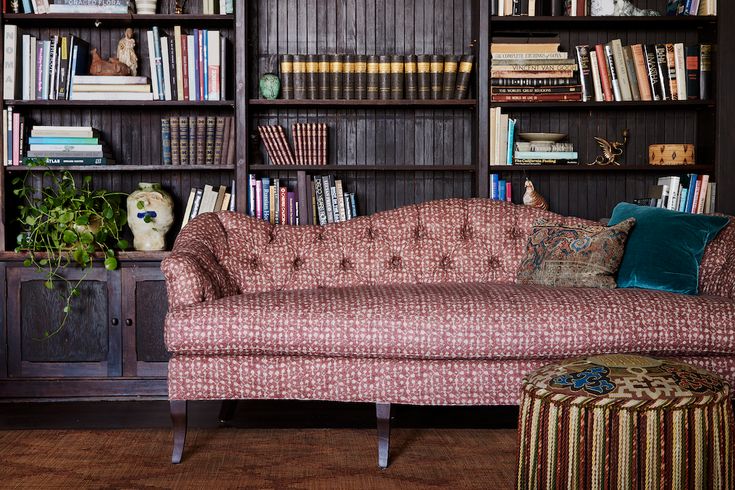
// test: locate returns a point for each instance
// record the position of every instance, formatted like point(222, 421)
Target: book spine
point(158, 61)
point(266, 185)
point(178, 63)
point(463, 76)
point(205, 64)
point(312, 77)
point(570, 89)
point(325, 91)
point(225, 141)
point(175, 146)
point(259, 199)
point(617, 93)
point(663, 72)
point(585, 72)
point(671, 67)
point(641, 72)
point(681, 71)
point(336, 75)
point(299, 77)
point(270, 152)
point(361, 77)
point(327, 199)
point(423, 69)
point(286, 148)
point(166, 141)
point(287, 88)
point(219, 136)
point(621, 69)
point(410, 76)
point(201, 65)
point(63, 68)
point(320, 203)
point(17, 137)
point(705, 71)
point(649, 52)
point(201, 140)
point(437, 72)
point(692, 72)
point(282, 206)
point(373, 77)
point(605, 81)
point(630, 68)
point(214, 65)
point(596, 82)
point(184, 140)
point(451, 65)
point(538, 98)
point(10, 62)
point(184, 67)
point(397, 76)
point(173, 69)
point(340, 200)
point(348, 77)
point(353, 204)
point(384, 84)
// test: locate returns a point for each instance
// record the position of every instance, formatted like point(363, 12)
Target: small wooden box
point(671, 154)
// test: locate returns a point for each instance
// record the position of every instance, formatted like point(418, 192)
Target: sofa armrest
point(193, 271)
point(717, 271)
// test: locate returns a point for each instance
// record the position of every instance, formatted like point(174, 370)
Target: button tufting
point(466, 232)
point(493, 263)
point(345, 264)
point(395, 262)
point(297, 263)
point(445, 262)
point(254, 263)
point(514, 233)
point(271, 236)
point(370, 233)
point(419, 232)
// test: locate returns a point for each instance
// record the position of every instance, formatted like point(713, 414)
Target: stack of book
point(690, 194)
point(500, 189)
point(645, 72)
point(530, 68)
point(208, 200)
point(526, 7)
point(66, 145)
point(198, 140)
point(373, 77)
point(543, 153)
point(66, 7)
point(218, 7)
point(329, 201)
point(271, 200)
point(309, 144)
point(84, 87)
point(188, 67)
point(691, 7)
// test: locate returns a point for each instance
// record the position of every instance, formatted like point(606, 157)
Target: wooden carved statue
point(126, 52)
point(533, 198)
point(111, 67)
point(611, 151)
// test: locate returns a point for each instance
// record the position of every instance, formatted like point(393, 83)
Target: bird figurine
point(533, 198)
point(126, 52)
point(611, 151)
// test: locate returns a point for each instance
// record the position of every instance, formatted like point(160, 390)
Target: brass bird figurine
point(533, 198)
point(611, 151)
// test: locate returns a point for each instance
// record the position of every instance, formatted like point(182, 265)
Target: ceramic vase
point(270, 86)
point(147, 7)
point(150, 216)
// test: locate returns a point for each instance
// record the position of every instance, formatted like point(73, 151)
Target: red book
point(200, 64)
point(509, 191)
point(283, 205)
point(537, 98)
point(285, 147)
point(604, 73)
point(185, 65)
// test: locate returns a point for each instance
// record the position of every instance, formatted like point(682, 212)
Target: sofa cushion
point(454, 321)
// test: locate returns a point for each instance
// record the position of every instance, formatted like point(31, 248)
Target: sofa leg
point(383, 412)
point(227, 410)
point(178, 418)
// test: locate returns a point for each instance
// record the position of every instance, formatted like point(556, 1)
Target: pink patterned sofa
point(413, 306)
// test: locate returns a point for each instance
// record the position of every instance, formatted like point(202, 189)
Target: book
point(335, 76)
point(451, 66)
point(178, 43)
point(585, 72)
point(384, 88)
point(214, 62)
point(640, 63)
point(219, 136)
point(166, 66)
point(632, 78)
point(11, 63)
point(702, 195)
point(201, 140)
point(320, 201)
point(323, 78)
point(312, 77)
point(423, 70)
point(463, 76)
point(437, 74)
point(681, 71)
point(373, 77)
point(605, 80)
point(157, 61)
point(596, 82)
point(111, 96)
point(397, 77)
point(266, 185)
point(53, 161)
point(692, 71)
point(663, 72)
point(171, 62)
point(612, 69)
point(209, 141)
point(348, 77)
point(649, 52)
point(111, 88)
point(191, 50)
point(411, 77)
point(621, 69)
point(671, 67)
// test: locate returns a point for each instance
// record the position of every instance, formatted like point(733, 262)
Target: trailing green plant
point(66, 224)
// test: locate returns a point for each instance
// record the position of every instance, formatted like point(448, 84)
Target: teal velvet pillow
point(665, 248)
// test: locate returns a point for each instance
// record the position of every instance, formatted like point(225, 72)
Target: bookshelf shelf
point(165, 104)
point(122, 168)
point(365, 168)
point(597, 168)
point(362, 103)
point(619, 22)
point(126, 256)
point(635, 105)
point(105, 20)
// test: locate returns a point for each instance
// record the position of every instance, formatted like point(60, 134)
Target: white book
point(63, 131)
point(45, 71)
point(167, 92)
point(618, 96)
point(559, 55)
point(26, 67)
point(152, 61)
point(65, 148)
point(53, 50)
point(500, 128)
point(209, 198)
point(703, 194)
point(595, 68)
point(621, 69)
point(222, 68)
point(503, 146)
point(223, 7)
point(664, 194)
point(213, 66)
point(5, 137)
point(573, 9)
point(205, 8)
point(179, 59)
point(111, 80)
point(492, 133)
point(681, 71)
point(673, 203)
point(192, 67)
point(111, 96)
point(32, 68)
point(10, 60)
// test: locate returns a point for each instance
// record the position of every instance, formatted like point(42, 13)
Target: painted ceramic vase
point(150, 216)
point(147, 7)
point(270, 86)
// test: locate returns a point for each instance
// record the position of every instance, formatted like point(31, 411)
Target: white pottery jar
point(147, 7)
point(150, 216)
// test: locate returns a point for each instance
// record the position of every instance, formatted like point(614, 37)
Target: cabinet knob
point(129, 322)
point(115, 322)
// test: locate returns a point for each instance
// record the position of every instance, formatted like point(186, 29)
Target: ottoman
point(625, 421)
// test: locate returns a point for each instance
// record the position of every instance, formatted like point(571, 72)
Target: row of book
point(645, 72)
point(310, 142)
point(500, 189)
point(689, 194)
point(373, 77)
point(209, 199)
point(329, 201)
point(209, 7)
point(691, 7)
point(198, 140)
point(272, 201)
point(188, 67)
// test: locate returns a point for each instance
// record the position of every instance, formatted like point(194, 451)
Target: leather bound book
point(437, 72)
point(423, 70)
point(396, 76)
point(166, 141)
point(705, 71)
point(691, 54)
point(296, 136)
point(325, 91)
point(412, 89)
point(585, 72)
point(373, 77)
point(192, 140)
point(201, 140)
point(361, 77)
point(451, 64)
point(287, 76)
point(209, 149)
point(175, 146)
point(336, 75)
point(219, 137)
point(225, 142)
point(312, 77)
point(463, 76)
point(348, 70)
point(299, 76)
point(184, 140)
point(384, 83)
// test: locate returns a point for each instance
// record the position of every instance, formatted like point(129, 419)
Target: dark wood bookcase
point(390, 153)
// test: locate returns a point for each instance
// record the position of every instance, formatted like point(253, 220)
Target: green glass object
point(270, 86)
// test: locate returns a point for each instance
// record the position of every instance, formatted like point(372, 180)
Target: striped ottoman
point(625, 421)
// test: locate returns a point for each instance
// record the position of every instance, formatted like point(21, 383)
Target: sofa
point(417, 305)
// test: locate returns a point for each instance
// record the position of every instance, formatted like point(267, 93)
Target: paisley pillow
point(573, 255)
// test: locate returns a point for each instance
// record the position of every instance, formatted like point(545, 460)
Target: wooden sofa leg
point(227, 410)
point(178, 418)
point(383, 412)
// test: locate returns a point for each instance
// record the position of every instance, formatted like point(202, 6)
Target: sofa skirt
point(401, 381)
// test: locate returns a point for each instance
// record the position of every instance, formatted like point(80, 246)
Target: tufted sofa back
point(452, 240)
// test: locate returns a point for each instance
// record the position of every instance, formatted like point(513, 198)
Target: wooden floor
point(269, 446)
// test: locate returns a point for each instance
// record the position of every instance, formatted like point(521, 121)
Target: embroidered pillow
point(573, 255)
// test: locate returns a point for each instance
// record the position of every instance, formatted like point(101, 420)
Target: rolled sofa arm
point(717, 271)
point(193, 271)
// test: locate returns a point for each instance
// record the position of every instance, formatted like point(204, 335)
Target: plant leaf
point(70, 236)
point(110, 263)
point(49, 284)
point(122, 244)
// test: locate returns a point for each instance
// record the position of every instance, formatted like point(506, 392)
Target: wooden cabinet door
point(88, 345)
point(144, 304)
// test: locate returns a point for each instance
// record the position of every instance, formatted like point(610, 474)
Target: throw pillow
point(573, 255)
point(666, 247)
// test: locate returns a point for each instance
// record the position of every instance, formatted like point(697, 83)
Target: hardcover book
point(312, 77)
point(299, 76)
point(451, 65)
point(411, 77)
point(373, 77)
point(437, 71)
point(323, 78)
point(649, 52)
point(423, 69)
point(361, 77)
point(184, 140)
point(175, 145)
point(692, 71)
point(463, 76)
point(336, 75)
point(287, 90)
point(384, 78)
point(166, 141)
point(396, 77)
point(705, 71)
point(585, 72)
point(348, 74)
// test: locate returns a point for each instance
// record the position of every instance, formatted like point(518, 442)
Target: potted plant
point(66, 224)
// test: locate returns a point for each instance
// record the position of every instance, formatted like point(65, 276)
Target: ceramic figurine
point(270, 86)
point(147, 7)
point(619, 8)
point(150, 216)
point(611, 151)
point(111, 67)
point(533, 198)
point(126, 52)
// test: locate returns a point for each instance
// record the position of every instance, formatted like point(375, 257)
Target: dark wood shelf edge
point(363, 103)
point(670, 20)
point(120, 168)
point(607, 168)
point(120, 18)
point(364, 168)
point(117, 104)
point(667, 104)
